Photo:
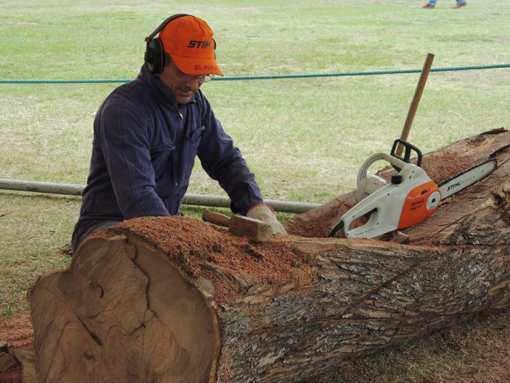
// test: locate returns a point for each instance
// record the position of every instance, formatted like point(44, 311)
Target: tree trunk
point(172, 299)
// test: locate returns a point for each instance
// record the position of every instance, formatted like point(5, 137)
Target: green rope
point(271, 77)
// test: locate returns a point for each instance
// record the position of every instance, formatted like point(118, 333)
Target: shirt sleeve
point(123, 131)
point(224, 162)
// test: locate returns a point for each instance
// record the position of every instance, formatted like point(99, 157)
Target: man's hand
point(266, 214)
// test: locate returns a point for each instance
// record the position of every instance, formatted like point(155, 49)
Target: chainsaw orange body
point(420, 203)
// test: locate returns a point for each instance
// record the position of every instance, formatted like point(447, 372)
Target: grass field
point(305, 139)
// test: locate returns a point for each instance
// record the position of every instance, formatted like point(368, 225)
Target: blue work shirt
point(144, 150)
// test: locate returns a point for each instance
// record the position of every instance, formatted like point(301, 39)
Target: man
point(148, 132)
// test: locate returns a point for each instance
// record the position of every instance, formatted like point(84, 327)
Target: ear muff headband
point(154, 52)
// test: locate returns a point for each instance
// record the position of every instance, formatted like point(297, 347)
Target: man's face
point(183, 86)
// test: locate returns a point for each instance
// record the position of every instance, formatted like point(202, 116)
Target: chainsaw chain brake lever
point(409, 148)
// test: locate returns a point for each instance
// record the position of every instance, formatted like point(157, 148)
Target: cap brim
point(195, 67)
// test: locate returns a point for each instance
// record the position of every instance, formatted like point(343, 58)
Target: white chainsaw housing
point(396, 205)
point(410, 197)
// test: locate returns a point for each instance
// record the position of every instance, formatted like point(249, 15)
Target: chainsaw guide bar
point(468, 177)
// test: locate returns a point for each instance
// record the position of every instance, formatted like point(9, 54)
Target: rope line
point(271, 77)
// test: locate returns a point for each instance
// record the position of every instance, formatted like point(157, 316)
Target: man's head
point(189, 42)
point(188, 46)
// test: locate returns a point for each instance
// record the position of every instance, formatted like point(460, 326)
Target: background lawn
point(304, 138)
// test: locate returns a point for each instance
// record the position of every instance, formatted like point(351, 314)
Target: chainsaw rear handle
point(341, 225)
point(409, 148)
point(375, 208)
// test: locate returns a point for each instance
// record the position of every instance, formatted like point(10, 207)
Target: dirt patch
point(17, 332)
point(12, 376)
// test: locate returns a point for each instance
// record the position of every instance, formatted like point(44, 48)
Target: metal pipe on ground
point(189, 199)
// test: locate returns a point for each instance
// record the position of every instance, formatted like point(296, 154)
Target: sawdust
point(446, 166)
point(312, 226)
point(233, 264)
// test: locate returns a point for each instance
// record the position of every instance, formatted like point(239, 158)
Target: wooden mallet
point(416, 100)
point(251, 228)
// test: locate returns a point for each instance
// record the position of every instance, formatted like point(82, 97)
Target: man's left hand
point(266, 214)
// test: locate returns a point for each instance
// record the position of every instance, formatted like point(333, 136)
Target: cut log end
point(123, 312)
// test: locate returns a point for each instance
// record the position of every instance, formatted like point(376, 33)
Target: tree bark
point(172, 299)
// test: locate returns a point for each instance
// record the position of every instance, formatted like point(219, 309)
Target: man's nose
point(194, 83)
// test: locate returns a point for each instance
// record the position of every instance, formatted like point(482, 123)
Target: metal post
point(189, 199)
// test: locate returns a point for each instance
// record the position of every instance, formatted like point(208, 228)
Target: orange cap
point(189, 41)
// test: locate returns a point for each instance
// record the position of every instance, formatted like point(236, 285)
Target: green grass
point(304, 138)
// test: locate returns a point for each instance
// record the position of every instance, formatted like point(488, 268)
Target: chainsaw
point(409, 198)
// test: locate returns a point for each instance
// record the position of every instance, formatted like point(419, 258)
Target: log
point(172, 299)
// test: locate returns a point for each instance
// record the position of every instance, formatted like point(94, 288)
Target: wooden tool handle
point(416, 100)
point(216, 218)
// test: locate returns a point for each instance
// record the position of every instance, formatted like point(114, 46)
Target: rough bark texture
point(176, 300)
